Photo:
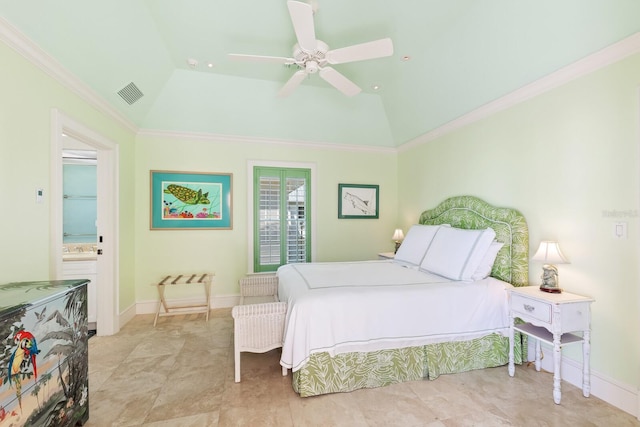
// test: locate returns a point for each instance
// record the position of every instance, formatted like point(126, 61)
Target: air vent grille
point(130, 93)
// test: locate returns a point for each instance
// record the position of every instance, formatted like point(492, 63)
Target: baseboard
point(620, 395)
point(217, 301)
point(128, 314)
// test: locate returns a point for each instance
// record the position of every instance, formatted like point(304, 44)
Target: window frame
point(310, 214)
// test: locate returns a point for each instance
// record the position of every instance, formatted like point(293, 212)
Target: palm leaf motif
point(187, 195)
point(512, 262)
point(70, 346)
point(351, 371)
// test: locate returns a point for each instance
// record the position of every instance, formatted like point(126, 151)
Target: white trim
point(216, 301)
point(201, 136)
point(609, 55)
point(127, 315)
point(38, 57)
point(621, 395)
point(589, 64)
point(312, 211)
point(638, 266)
point(107, 283)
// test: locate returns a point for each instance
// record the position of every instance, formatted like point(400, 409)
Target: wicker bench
point(259, 319)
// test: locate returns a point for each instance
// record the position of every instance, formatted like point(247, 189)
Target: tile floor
point(180, 373)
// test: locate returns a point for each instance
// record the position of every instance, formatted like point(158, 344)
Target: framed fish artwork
point(191, 200)
point(358, 201)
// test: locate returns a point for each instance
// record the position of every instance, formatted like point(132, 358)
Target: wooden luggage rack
point(184, 279)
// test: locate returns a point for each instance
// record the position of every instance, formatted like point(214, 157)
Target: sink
point(79, 256)
point(79, 251)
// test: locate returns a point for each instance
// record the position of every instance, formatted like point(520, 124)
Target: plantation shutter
point(281, 223)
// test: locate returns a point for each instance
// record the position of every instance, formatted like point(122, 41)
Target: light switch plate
point(620, 230)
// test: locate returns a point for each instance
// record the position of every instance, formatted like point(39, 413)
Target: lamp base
point(550, 279)
point(550, 289)
point(397, 247)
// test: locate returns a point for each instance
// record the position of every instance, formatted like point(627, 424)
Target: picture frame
point(358, 201)
point(191, 200)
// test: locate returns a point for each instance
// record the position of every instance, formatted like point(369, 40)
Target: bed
point(352, 325)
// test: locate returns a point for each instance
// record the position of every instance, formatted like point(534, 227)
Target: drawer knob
point(529, 308)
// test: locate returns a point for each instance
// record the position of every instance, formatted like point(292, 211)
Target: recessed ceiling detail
point(463, 55)
point(130, 93)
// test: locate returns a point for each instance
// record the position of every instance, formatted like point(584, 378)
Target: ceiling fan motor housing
point(313, 56)
point(311, 61)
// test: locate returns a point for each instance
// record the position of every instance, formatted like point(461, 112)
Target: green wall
point(28, 96)
point(568, 160)
point(160, 252)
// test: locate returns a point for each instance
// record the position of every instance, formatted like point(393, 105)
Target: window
point(281, 222)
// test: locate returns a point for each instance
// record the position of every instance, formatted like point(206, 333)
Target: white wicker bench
point(259, 319)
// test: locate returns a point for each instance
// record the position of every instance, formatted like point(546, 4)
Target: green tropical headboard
point(512, 262)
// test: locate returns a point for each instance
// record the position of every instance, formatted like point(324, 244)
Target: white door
point(106, 286)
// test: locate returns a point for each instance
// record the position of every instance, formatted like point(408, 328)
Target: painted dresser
point(43, 353)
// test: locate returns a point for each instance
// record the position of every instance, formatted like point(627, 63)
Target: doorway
point(64, 129)
point(79, 218)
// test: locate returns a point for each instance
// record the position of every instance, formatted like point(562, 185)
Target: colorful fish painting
point(187, 195)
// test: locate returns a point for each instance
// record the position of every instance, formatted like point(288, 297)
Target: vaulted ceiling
point(450, 57)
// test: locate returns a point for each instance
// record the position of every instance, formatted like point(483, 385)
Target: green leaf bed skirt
point(352, 371)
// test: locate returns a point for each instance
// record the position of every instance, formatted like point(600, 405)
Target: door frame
point(107, 282)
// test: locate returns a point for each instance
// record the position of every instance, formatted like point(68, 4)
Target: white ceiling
point(463, 54)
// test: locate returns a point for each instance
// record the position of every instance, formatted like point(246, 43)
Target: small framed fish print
point(358, 201)
point(191, 200)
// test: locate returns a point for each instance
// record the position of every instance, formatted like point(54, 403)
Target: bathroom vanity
point(44, 332)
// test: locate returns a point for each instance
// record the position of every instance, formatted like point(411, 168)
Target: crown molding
point(12, 37)
point(607, 56)
point(16, 40)
point(195, 136)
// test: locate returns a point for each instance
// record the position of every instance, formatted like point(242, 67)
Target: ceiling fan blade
point(302, 19)
point(259, 58)
point(339, 81)
point(292, 83)
point(360, 52)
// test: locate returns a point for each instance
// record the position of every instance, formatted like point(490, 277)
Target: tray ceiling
point(460, 55)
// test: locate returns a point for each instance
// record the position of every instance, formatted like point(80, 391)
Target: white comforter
point(372, 305)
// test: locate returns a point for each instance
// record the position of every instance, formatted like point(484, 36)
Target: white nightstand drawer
point(576, 316)
point(536, 309)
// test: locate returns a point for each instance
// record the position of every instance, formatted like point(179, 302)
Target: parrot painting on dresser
point(23, 361)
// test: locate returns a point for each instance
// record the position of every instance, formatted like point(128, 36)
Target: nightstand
point(386, 255)
point(553, 319)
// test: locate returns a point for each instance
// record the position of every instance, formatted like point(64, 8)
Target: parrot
point(23, 356)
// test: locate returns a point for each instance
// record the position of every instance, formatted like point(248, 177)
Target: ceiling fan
point(313, 56)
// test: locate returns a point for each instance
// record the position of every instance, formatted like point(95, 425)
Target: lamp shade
point(549, 253)
point(398, 235)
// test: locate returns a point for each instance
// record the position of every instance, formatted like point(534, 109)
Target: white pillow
point(484, 269)
point(456, 253)
point(415, 244)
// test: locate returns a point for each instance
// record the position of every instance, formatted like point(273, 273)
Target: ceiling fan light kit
point(313, 56)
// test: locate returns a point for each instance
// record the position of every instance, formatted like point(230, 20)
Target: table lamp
point(549, 253)
point(398, 235)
